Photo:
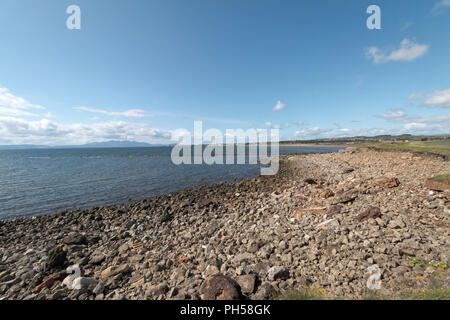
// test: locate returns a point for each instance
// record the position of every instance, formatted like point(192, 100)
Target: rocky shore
point(320, 223)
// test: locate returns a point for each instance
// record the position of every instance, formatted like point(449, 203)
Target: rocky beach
point(319, 225)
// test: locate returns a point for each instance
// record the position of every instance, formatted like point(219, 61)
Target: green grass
point(428, 294)
point(416, 146)
point(306, 294)
point(441, 178)
point(436, 294)
point(375, 296)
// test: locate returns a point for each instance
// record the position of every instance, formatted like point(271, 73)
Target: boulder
point(220, 287)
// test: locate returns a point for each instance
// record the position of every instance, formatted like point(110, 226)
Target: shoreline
point(303, 228)
point(314, 145)
point(25, 216)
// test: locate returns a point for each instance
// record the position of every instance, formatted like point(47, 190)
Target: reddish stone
point(48, 283)
point(389, 183)
point(438, 186)
point(220, 287)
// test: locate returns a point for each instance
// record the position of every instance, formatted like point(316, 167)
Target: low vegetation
point(416, 146)
point(441, 178)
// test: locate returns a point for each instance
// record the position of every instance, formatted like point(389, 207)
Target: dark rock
point(220, 287)
point(371, 213)
point(247, 283)
point(158, 290)
point(276, 273)
point(75, 239)
point(56, 258)
point(166, 218)
point(265, 291)
point(347, 170)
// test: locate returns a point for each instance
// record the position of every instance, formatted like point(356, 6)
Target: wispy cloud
point(435, 99)
point(440, 6)
point(5, 111)
point(279, 106)
point(408, 51)
point(418, 124)
point(132, 113)
point(406, 26)
point(393, 115)
point(440, 99)
point(415, 96)
point(11, 105)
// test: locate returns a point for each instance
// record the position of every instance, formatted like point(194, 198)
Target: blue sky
point(138, 70)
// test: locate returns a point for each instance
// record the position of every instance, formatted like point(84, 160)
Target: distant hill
point(106, 144)
point(359, 139)
point(119, 144)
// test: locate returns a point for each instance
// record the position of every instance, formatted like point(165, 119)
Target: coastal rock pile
point(321, 222)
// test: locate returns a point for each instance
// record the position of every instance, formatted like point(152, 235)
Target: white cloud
point(301, 123)
point(415, 96)
point(402, 123)
point(311, 132)
point(408, 51)
point(15, 112)
point(133, 113)
point(11, 105)
point(394, 115)
point(439, 7)
point(418, 124)
point(438, 98)
point(279, 106)
point(7, 99)
point(19, 131)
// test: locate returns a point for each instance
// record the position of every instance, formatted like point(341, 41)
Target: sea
point(38, 182)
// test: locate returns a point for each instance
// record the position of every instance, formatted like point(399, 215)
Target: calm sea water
point(38, 182)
